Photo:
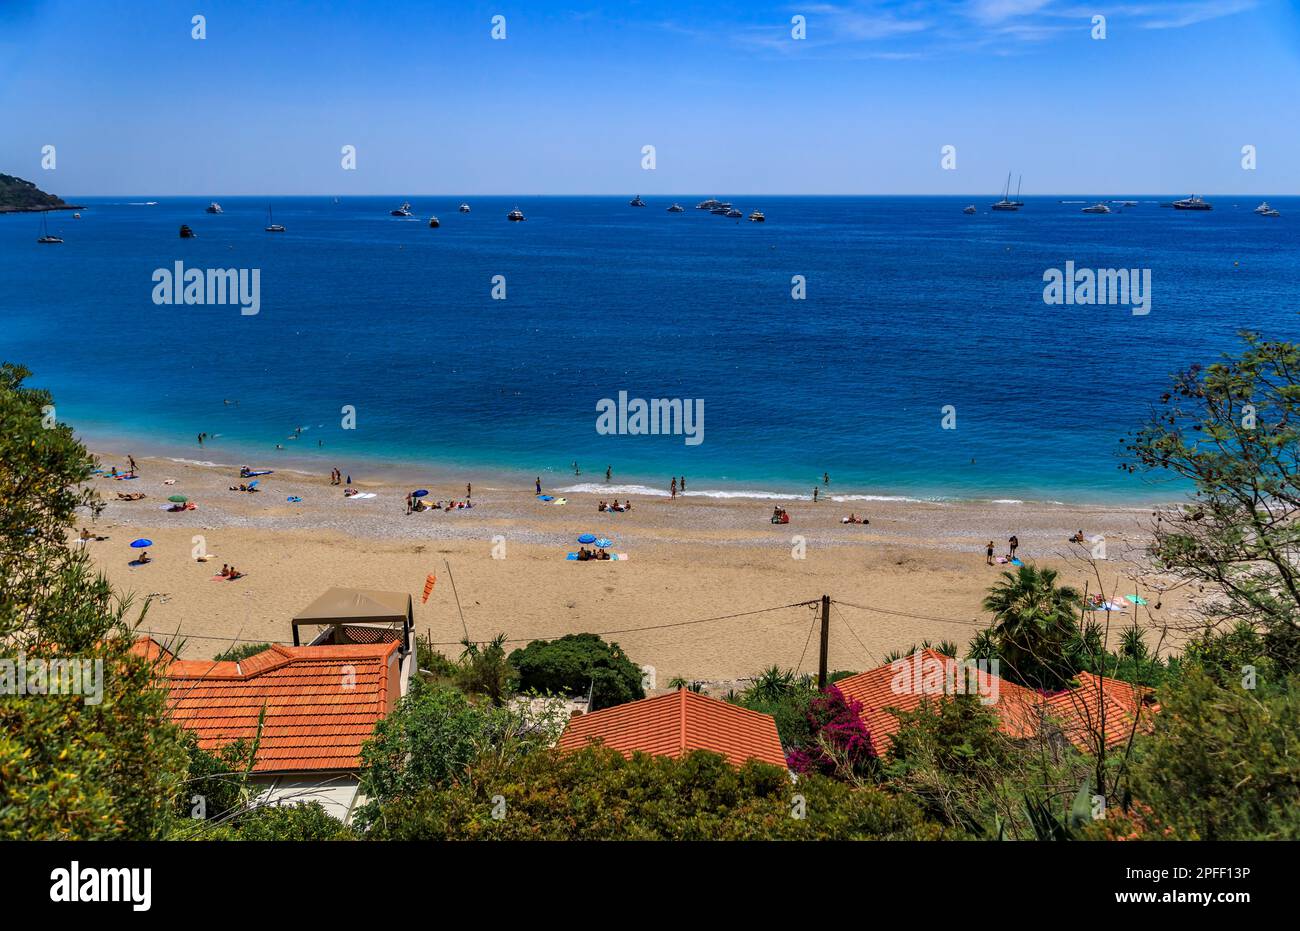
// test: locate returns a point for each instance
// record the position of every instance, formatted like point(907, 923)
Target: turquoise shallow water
point(910, 306)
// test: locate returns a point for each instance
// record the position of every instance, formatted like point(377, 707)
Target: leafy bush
point(1223, 763)
point(435, 733)
point(597, 794)
point(840, 744)
point(241, 651)
point(786, 696)
point(307, 821)
point(576, 663)
point(69, 768)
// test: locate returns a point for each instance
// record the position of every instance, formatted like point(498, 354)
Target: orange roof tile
point(904, 684)
point(1079, 710)
point(670, 725)
point(322, 702)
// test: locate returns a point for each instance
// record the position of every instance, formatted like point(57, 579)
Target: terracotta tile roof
point(321, 702)
point(1078, 711)
point(906, 683)
point(670, 725)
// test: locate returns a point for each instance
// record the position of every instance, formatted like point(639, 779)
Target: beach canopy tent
point(355, 615)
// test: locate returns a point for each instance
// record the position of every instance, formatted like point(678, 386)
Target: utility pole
point(826, 639)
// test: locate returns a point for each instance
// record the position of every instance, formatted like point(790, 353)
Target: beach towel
point(613, 557)
point(561, 500)
point(545, 498)
point(294, 499)
point(1016, 562)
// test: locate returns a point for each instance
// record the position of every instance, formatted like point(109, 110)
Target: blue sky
point(731, 102)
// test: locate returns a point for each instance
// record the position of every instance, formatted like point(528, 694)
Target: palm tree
point(1033, 623)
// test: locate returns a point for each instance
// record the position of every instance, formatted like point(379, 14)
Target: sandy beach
point(917, 571)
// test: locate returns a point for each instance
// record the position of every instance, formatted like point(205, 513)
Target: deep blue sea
point(910, 306)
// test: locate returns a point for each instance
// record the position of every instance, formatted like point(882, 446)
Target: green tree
point(1232, 430)
point(435, 733)
point(1034, 627)
point(575, 664)
point(70, 767)
point(1222, 763)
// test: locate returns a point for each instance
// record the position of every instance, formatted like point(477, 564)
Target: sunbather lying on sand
point(132, 496)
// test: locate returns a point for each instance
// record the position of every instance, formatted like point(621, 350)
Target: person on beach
point(538, 484)
point(814, 494)
point(131, 461)
point(673, 490)
point(1014, 544)
point(988, 554)
point(225, 571)
point(683, 484)
point(627, 505)
point(408, 503)
point(609, 470)
point(469, 491)
point(1078, 537)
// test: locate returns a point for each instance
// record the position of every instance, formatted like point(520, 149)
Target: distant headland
point(19, 196)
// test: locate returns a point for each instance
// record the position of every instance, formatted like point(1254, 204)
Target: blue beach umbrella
point(604, 543)
point(419, 493)
point(587, 538)
point(141, 543)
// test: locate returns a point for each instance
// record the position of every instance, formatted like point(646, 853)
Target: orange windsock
point(428, 587)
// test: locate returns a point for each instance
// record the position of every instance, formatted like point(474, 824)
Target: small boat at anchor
point(969, 209)
point(433, 223)
point(757, 217)
point(1096, 208)
point(271, 225)
point(516, 216)
point(636, 202)
point(402, 211)
point(676, 208)
point(186, 232)
point(463, 208)
point(214, 207)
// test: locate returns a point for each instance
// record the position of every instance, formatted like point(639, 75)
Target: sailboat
point(45, 236)
point(272, 226)
point(1006, 203)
